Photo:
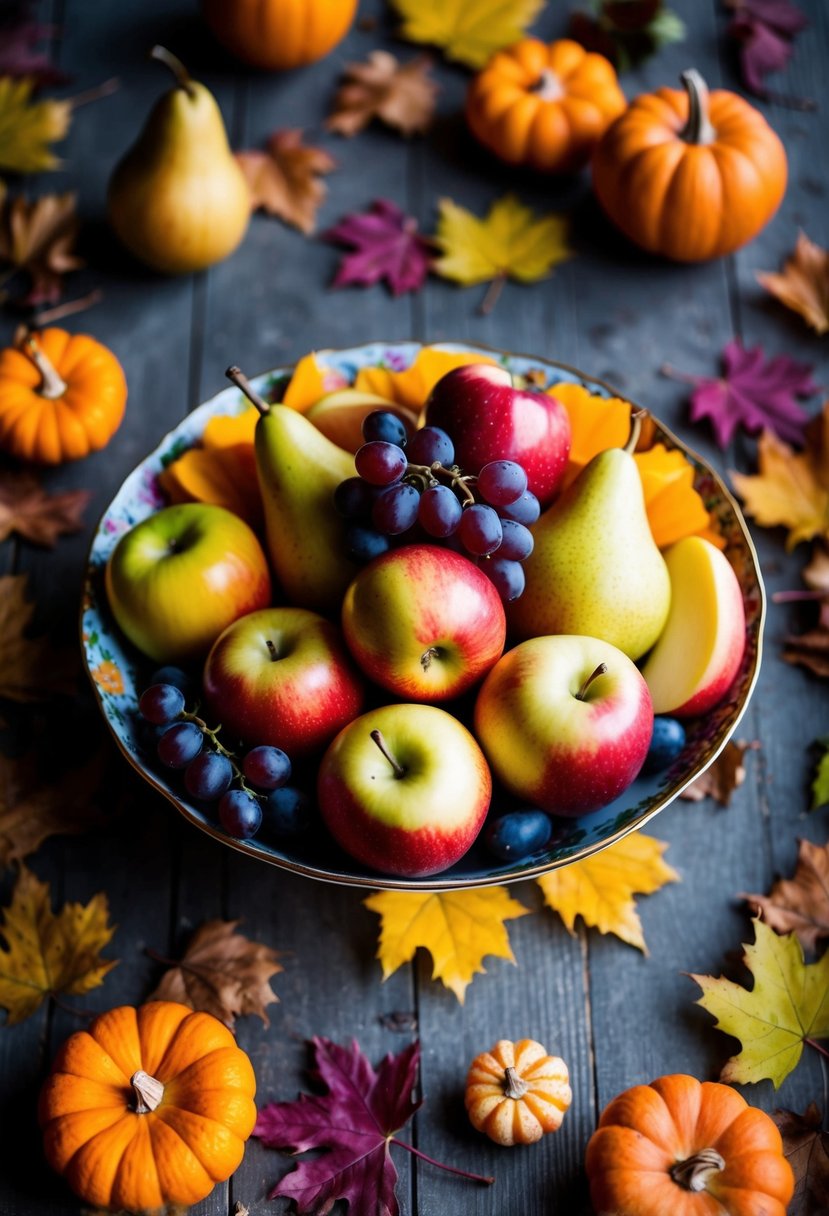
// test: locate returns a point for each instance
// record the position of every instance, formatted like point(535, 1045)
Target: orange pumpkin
point(278, 34)
point(516, 1092)
point(150, 1106)
point(62, 396)
point(678, 1147)
point(690, 175)
point(544, 106)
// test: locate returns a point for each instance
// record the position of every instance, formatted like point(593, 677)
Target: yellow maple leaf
point(601, 888)
point(28, 127)
point(788, 1004)
point(468, 31)
point(457, 928)
point(510, 242)
point(791, 489)
point(48, 953)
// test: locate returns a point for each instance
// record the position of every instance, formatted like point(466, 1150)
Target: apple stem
point(635, 429)
point(272, 651)
point(594, 675)
point(238, 377)
point(452, 1169)
point(376, 737)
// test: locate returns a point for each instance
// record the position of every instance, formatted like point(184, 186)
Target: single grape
point(380, 464)
point(480, 529)
point(518, 834)
point(396, 509)
point(171, 675)
point(353, 498)
point(161, 703)
point(363, 544)
point(180, 744)
point(667, 741)
point(431, 444)
point(267, 767)
point(240, 814)
point(507, 576)
point(517, 543)
point(501, 481)
point(208, 776)
point(386, 427)
point(439, 511)
point(525, 510)
point(286, 812)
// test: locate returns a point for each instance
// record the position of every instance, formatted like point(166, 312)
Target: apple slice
point(698, 653)
point(340, 415)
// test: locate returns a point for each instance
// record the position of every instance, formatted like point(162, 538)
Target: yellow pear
point(595, 568)
point(339, 415)
point(178, 200)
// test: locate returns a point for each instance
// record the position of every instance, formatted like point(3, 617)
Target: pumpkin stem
point(147, 1090)
point(171, 61)
point(693, 1173)
point(51, 385)
point(548, 86)
point(514, 1086)
point(238, 377)
point(698, 128)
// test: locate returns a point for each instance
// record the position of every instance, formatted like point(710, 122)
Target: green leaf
point(28, 127)
point(820, 784)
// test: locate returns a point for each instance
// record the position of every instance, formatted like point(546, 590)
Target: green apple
point(404, 789)
point(181, 576)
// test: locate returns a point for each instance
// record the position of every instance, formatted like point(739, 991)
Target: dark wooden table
point(616, 1016)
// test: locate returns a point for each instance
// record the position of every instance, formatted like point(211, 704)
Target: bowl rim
point(434, 883)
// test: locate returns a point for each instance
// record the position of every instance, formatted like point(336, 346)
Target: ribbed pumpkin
point(542, 105)
point(62, 396)
point(690, 175)
point(679, 1147)
point(516, 1092)
point(150, 1106)
point(279, 34)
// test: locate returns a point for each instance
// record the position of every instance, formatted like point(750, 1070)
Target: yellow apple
point(339, 415)
point(699, 652)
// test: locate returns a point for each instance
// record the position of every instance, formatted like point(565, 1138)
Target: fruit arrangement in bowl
point(409, 616)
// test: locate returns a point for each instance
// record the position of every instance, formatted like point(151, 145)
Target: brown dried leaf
point(799, 904)
point(803, 283)
point(31, 669)
point(724, 776)
point(811, 649)
point(400, 95)
point(39, 237)
point(806, 1147)
point(35, 514)
point(223, 973)
point(285, 180)
point(816, 573)
point(30, 811)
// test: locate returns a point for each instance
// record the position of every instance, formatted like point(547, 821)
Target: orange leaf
point(413, 386)
point(226, 430)
point(286, 180)
point(674, 507)
point(803, 283)
point(596, 423)
point(224, 476)
point(311, 380)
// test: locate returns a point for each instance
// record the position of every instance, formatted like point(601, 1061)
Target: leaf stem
point(492, 294)
point(161, 958)
point(817, 1046)
point(104, 89)
point(672, 374)
point(67, 309)
point(452, 1169)
point(84, 1014)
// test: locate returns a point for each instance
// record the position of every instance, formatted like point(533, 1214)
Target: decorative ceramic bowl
point(118, 672)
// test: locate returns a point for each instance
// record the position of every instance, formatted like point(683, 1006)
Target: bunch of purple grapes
point(249, 791)
point(409, 488)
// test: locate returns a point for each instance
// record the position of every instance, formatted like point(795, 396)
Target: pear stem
point(594, 675)
point(171, 61)
point(635, 430)
point(399, 771)
point(238, 377)
point(51, 385)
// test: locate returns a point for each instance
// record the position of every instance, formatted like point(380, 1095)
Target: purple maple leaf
point(764, 29)
point(387, 246)
point(754, 393)
point(20, 34)
point(354, 1122)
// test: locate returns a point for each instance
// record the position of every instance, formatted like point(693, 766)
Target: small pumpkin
point(62, 396)
point(690, 175)
point(516, 1093)
point(686, 1148)
point(545, 106)
point(279, 34)
point(148, 1107)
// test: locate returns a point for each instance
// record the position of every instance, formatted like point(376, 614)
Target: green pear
point(299, 469)
point(595, 568)
point(178, 199)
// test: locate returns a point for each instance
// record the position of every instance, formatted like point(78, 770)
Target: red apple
point(283, 677)
point(178, 578)
point(423, 622)
point(404, 789)
point(565, 722)
point(488, 419)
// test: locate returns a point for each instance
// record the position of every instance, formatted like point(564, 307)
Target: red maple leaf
point(387, 246)
point(765, 30)
point(20, 53)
